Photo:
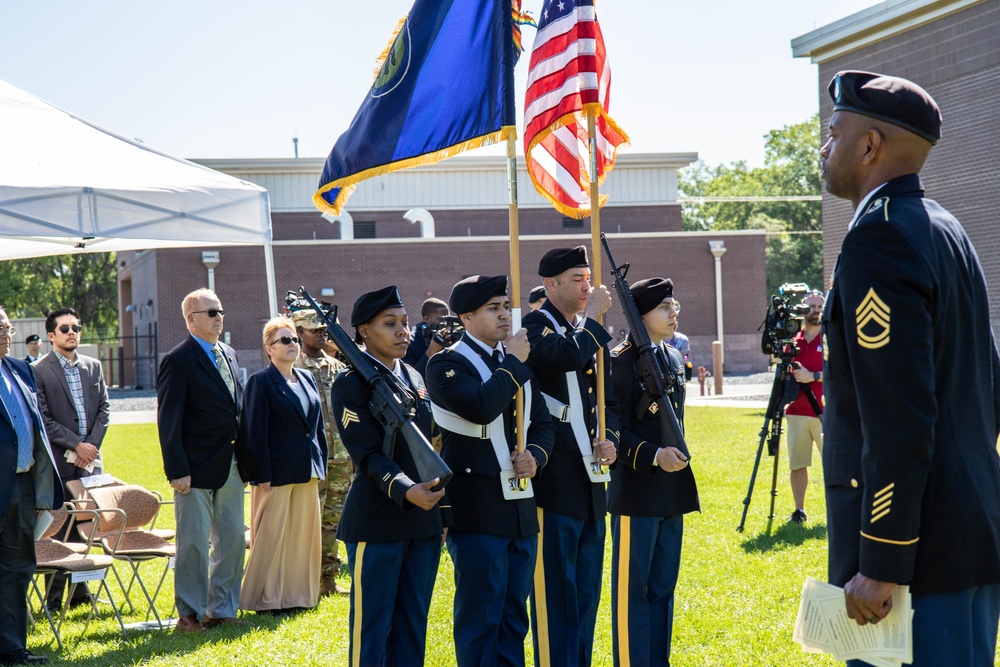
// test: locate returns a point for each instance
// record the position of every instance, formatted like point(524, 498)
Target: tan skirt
point(284, 566)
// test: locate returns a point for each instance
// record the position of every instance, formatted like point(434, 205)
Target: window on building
point(364, 229)
point(571, 223)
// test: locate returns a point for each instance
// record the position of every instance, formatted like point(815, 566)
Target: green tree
point(36, 286)
point(791, 169)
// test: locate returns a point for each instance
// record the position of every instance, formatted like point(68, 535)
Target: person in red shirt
point(803, 423)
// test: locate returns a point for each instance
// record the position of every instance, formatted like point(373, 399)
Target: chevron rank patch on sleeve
point(873, 318)
point(349, 417)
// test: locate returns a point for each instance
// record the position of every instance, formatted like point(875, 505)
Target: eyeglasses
point(212, 312)
point(66, 328)
point(670, 305)
point(285, 340)
point(10, 331)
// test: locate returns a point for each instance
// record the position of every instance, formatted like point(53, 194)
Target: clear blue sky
point(214, 79)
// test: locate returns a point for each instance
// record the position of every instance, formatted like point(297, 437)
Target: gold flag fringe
point(388, 47)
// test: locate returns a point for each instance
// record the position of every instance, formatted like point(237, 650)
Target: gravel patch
point(131, 400)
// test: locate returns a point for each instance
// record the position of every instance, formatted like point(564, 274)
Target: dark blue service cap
point(471, 293)
point(32, 338)
point(888, 98)
point(536, 294)
point(557, 260)
point(371, 304)
point(651, 292)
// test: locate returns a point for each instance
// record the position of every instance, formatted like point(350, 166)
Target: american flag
point(568, 79)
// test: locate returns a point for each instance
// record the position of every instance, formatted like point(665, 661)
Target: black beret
point(32, 338)
point(887, 98)
point(536, 294)
point(557, 260)
point(372, 303)
point(469, 294)
point(651, 292)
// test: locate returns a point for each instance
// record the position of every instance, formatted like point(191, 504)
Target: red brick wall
point(957, 59)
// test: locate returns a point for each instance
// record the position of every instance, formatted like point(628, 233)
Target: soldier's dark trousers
point(645, 561)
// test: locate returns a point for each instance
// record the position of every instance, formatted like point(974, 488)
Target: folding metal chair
point(73, 560)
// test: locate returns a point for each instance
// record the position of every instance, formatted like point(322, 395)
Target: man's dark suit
point(200, 433)
point(17, 507)
point(59, 412)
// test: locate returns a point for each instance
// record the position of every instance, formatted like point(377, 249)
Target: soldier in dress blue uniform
point(391, 523)
point(570, 492)
point(913, 492)
point(651, 489)
point(492, 522)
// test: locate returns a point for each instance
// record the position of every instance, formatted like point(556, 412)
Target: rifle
point(391, 404)
point(650, 368)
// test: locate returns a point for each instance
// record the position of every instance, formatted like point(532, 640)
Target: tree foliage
point(791, 168)
point(89, 283)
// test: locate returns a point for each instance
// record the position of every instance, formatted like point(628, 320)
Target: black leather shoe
point(22, 657)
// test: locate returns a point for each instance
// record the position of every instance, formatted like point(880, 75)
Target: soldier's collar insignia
point(349, 417)
point(546, 331)
point(873, 320)
point(882, 203)
point(654, 408)
point(449, 374)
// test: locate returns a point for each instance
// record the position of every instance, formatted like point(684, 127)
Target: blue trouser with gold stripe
point(954, 629)
point(391, 588)
point(492, 581)
point(567, 590)
point(645, 560)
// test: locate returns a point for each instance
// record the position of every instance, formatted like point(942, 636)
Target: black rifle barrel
point(650, 367)
point(390, 403)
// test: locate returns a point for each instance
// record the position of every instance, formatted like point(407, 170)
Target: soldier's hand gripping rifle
point(651, 369)
point(391, 404)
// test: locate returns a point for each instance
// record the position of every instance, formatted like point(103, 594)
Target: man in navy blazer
point(205, 457)
point(28, 481)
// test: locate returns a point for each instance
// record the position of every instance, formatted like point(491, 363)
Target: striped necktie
point(20, 423)
point(227, 375)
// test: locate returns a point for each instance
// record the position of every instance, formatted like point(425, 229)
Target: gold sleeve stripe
point(388, 490)
point(511, 375)
point(879, 515)
point(591, 335)
point(899, 543)
point(885, 490)
point(879, 507)
point(635, 458)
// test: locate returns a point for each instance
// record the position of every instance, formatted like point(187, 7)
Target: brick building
point(951, 48)
point(465, 233)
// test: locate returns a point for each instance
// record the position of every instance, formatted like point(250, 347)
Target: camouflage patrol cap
point(306, 318)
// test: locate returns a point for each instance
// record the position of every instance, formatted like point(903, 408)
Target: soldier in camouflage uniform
point(332, 490)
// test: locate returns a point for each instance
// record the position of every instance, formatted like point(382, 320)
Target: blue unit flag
point(445, 85)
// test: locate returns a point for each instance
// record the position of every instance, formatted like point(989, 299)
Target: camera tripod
point(771, 432)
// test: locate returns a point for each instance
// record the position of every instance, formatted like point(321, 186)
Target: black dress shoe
point(22, 657)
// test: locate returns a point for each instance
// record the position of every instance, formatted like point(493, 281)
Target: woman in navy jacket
point(282, 413)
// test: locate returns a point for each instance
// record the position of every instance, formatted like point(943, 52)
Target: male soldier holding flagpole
point(565, 336)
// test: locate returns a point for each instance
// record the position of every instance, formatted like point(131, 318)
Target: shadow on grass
point(786, 535)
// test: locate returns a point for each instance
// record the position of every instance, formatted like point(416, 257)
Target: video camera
point(446, 331)
point(783, 320)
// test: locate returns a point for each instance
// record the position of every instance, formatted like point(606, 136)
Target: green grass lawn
point(735, 604)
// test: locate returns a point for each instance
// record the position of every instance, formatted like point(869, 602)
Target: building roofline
point(234, 166)
point(871, 25)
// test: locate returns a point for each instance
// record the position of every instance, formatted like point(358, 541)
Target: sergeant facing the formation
point(492, 524)
point(391, 523)
point(913, 492)
point(333, 489)
point(570, 492)
point(651, 489)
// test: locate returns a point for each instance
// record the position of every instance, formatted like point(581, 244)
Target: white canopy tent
point(68, 186)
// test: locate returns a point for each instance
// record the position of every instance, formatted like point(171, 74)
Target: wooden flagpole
point(595, 261)
point(515, 283)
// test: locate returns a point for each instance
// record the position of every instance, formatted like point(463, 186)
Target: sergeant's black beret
point(536, 294)
point(32, 338)
point(372, 303)
point(887, 98)
point(469, 294)
point(557, 260)
point(651, 292)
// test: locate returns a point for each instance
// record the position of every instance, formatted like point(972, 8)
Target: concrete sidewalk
point(732, 396)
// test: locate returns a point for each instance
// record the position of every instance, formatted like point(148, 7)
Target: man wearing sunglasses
point(206, 458)
point(75, 408)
